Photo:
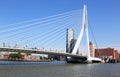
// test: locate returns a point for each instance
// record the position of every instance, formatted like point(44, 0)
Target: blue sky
point(103, 15)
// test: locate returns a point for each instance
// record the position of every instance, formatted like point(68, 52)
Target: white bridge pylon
point(84, 29)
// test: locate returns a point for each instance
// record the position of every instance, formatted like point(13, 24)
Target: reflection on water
point(57, 69)
point(13, 63)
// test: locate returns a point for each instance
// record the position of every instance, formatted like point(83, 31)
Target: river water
point(57, 69)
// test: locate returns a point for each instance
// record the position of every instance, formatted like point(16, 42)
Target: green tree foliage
point(15, 55)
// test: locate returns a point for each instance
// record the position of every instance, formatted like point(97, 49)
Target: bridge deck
point(8, 49)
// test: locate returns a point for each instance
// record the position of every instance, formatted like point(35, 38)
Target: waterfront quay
point(108, 55)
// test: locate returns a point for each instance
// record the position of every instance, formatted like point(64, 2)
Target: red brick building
point(92, 50)
point(107, 52)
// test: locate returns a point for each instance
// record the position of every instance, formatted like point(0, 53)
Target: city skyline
point(103, 15)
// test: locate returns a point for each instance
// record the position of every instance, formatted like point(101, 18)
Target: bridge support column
point(89, 61)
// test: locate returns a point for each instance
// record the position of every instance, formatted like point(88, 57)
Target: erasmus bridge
point(50, 35)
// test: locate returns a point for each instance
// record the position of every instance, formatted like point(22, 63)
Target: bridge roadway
point(26, 50)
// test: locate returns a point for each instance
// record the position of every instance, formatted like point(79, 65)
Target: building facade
point(69, 40)
point(92, 49)
point(107, 53)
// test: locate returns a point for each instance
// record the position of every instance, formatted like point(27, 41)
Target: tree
point(15, 56)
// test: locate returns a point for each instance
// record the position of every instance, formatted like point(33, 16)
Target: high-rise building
point(69, 40)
